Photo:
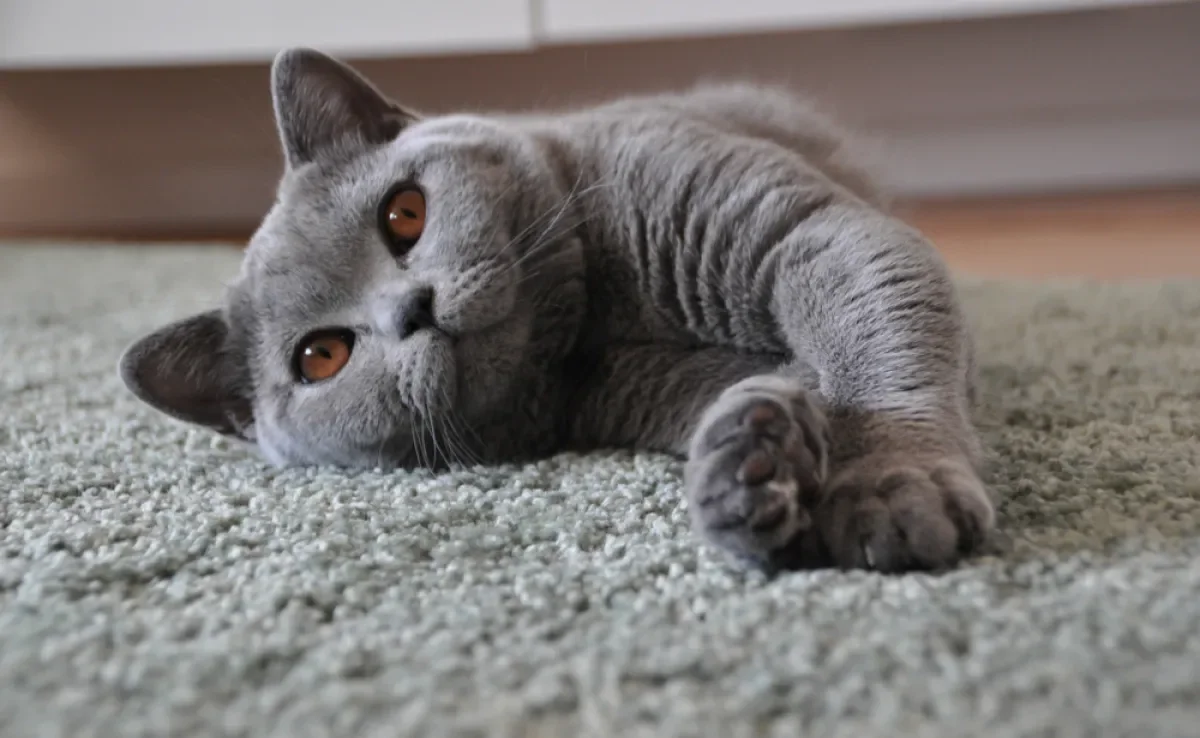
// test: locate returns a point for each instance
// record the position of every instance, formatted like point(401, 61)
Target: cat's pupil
point(409, 213)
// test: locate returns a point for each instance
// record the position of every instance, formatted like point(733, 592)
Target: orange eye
point(322, 355)
point(404, 216)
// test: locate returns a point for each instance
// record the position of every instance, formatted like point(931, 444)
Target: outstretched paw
point(897, 513)
point(756, 465)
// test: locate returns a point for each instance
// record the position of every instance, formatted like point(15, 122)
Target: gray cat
point(702, 274)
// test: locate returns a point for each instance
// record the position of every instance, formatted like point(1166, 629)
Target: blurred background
point(1026, 137)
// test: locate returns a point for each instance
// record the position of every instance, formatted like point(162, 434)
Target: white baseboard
point(1159, 149)
point(608, 20)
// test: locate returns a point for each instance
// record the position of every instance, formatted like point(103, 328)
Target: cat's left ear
point(189, 370)
point(322, 105)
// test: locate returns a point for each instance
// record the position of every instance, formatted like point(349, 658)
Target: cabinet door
point(581, 20)
point(47, 33)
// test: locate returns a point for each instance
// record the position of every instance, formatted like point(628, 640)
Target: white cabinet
point(117, 32)
point(63, 33)
point(585, 20)
point(37, 33)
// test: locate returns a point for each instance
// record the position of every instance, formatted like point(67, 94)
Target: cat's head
point(410, 283)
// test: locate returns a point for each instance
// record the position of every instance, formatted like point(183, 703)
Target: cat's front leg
point(756, 441)
point(870, 305)
point(756, 466)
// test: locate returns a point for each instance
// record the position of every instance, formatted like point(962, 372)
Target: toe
point(900, 518)
point(759, 467)
point(760, 415)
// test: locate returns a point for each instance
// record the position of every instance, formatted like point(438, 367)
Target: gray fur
point(703, 273)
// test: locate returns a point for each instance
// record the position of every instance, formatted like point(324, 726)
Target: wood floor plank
point(1108, 236)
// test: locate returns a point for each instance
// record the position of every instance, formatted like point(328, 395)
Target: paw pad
point(757, 461)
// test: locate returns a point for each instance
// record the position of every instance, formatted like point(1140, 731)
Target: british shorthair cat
point(703, 273)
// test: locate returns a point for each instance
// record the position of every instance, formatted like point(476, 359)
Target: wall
point(1108, 98)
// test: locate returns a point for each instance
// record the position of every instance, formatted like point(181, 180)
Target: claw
point(868, 556)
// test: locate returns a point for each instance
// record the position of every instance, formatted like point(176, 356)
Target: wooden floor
point(1114, 236)
point(1107, 236)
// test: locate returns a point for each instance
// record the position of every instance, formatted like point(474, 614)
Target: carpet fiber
point(156, 580)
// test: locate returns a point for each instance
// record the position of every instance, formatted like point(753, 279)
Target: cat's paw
point(896, 513)
point(755, 467)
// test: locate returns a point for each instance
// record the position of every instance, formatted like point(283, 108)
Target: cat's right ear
point(187, 370)
point(322, 105)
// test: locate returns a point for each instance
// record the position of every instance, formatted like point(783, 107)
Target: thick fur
point(703, 273)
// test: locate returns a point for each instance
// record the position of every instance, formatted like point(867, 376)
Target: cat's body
point(702, 273)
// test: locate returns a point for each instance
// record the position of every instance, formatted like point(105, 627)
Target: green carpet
point(155, 580)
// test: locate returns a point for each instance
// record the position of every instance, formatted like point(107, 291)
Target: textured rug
point(155, 580)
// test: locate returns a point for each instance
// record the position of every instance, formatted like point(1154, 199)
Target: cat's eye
point(322, 355)
point(402, 217)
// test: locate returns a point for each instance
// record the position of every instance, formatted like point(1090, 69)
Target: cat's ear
point(321, 105)
point(187, 370)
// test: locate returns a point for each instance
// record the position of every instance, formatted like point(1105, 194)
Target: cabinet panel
point(35, 33)
point(582, 20)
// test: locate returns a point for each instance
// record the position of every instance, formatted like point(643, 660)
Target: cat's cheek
point(475, 300)
point(489, 365)
point(332, 422)
point(276, 445)
point(273, 451)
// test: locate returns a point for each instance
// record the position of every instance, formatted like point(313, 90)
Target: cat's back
point(661, 184)
point(768, 113)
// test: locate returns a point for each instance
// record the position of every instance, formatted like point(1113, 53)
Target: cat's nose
point(414, 311)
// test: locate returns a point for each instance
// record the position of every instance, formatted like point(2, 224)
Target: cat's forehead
point(310, 242)
point(308, 249)
point(299, 279)
point(305, 257)
point(450, 151)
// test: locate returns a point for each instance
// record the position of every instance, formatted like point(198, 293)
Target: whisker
point(533, 224)
point(469, 452)
point(445, 446)
point(379, 452)
point(569, 201)
point(463, 453)
point(449, 439)
point(548, 233)
point(557, 210)
point(549, 236)
point(455, 424)
point(438, 450)
point(545, 242)
point(418, 434)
